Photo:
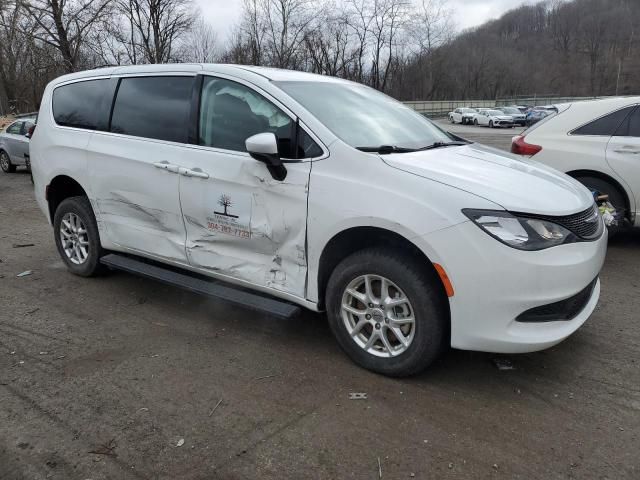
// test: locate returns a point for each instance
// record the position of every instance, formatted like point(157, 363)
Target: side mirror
point(264, 148)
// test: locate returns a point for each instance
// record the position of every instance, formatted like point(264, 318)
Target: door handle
point(629, 150)
point(164, 165)
point(193, 172)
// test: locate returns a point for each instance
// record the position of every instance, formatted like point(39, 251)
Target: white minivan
point(276, 189)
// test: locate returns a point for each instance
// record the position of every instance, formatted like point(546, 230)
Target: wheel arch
point(60, 188)
point(605, 178)
point(353, 239)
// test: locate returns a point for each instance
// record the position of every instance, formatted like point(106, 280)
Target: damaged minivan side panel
point(242, 223)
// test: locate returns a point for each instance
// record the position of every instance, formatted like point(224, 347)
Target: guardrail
point(440, 108)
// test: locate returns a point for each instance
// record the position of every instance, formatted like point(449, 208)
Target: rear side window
point(606, 125)
point(153, 107)
point(78, 104)
point(631, 125)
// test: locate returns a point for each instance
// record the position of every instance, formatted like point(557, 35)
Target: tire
point(490, 123)
point(80, 208)
point(616, 197)
point(426, 302)
point(5, 163)
point(475, 122)
point(451, 120)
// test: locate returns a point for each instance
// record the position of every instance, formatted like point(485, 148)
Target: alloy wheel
point(74, 238)
point(378, 316)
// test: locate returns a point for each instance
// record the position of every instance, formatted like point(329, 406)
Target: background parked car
point(598, 143)
point(463, 115)
point(536, 114)
point(14, 145)
point(493, 118)
point(519, 118)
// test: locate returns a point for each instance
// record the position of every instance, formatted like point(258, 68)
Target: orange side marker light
point(445, 279)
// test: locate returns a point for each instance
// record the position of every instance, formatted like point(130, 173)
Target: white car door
point(241, 223)
point(134, 166)
point(623, 153)
point(457, 116)
point(483, 118)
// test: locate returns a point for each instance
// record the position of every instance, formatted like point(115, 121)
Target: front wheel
point(386, 312)
point(616, 197)
point(77, 237)
point(491, 124)
point(5, 163)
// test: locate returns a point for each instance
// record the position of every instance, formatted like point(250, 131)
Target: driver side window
point(230, 113)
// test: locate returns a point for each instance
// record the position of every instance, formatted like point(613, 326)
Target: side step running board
point(192, 283)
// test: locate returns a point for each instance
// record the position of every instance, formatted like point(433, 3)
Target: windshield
point(363, 117)
point(494, 112)
point(468, 110)
point(510, 110)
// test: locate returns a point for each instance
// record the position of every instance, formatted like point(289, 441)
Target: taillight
point(520, 147)
point(30, 131)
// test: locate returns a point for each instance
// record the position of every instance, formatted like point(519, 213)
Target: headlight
point(522, 233)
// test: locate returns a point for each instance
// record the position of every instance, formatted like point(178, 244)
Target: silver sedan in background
point(14, 145)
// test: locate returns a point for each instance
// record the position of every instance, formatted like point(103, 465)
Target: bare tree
point(156, 26)
point(285, 22)
point(66, 25)
point(201, 43)
point(329, 45)
point(389, 17)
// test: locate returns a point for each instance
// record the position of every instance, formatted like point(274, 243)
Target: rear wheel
point(475, 122)
point(616, 197)
point(77, 237)
point(5, 163)
point(387, 314)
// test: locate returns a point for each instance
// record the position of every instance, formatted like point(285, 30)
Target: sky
point(223, 14)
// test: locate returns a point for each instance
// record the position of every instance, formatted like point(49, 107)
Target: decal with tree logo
point(227, 222)
point(225, 202)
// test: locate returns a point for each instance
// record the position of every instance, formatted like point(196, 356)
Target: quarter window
point(79, 104)
point(15, 128)
point(153, 107)
point(604, 126)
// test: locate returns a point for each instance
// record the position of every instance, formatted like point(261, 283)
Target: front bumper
point(494, 284)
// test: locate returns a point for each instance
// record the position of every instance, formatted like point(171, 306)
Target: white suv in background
point(598, 143)
point(312, 191)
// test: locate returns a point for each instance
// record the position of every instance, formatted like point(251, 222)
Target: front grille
point(587, 224)
point(563, 310)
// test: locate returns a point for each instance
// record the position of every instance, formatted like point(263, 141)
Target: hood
point(515, 183)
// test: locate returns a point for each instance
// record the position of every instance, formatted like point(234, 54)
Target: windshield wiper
point(443, 144)
point(386, 149)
